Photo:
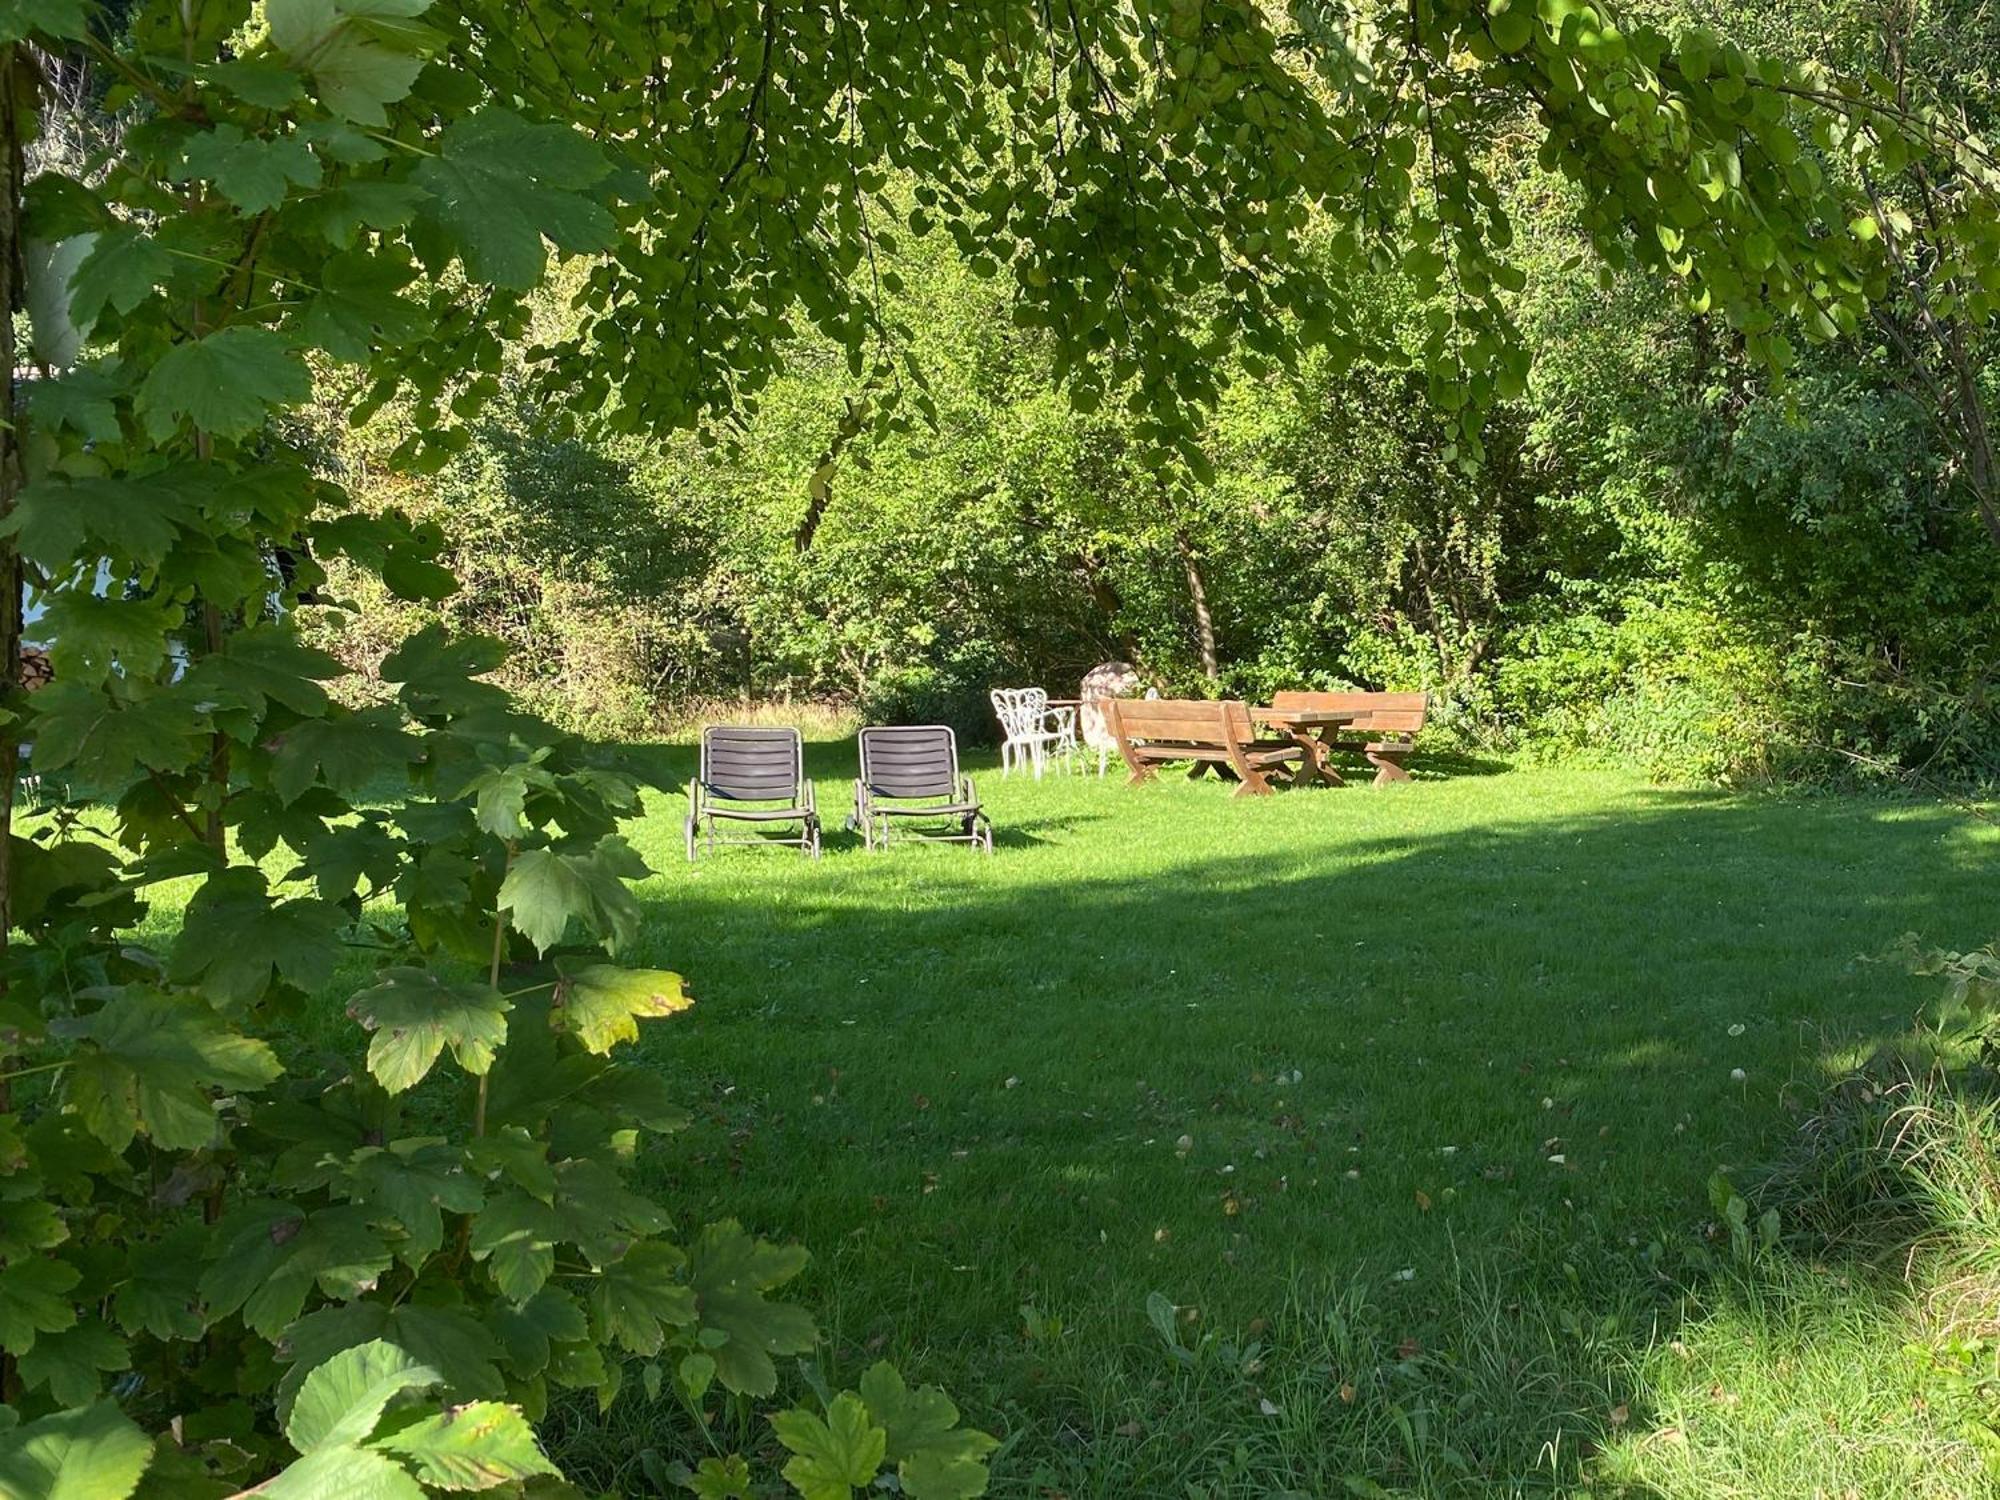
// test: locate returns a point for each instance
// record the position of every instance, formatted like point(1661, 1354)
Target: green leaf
point(272, 1255)
point(339, 859)
point(119, 270)
point(33, 1301)
point(161, 1293)
point(600, 1212)
point(105, 736)
point(28, 1225)
point(358, 310)
point(362, 54)
point(120, 518)
point(418, 1181)
point(62, 20)
point(225, 384)
point(57, 341)
point(341, 214)
point(91, 631)
point(342, 1400)
point(414, 1015)
point(542, 891)
point(601, 1005)
point(235, 939)
point(69, 1362)
point(437, 671)
point(730, 1272)
point(934, 1458)
point(342, 1474)
point(451, 1342)
point(721, 1479)
point(147, 1063)
point(93, 1453)
point(549, 1317)
point(263, 84)
point(517, 1236)
point(83, 399)
point(416, 578)
point(473, 1447)
point(500, 184)
point(348, 751)
point(1512, 23)
point(268, 663)
point(252, 172)
point(642, 1294)
point(545, 888)
point(834, 1457)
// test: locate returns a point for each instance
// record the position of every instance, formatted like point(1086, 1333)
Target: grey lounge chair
point(911, 771)
point(743, 772)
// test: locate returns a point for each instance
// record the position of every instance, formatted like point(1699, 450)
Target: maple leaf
point(147, 1060)
point(730, 1272)
point(415, 1015)
point(933, 1456)
point(500, 184)
point(832, 1457)
point(225, 384)
point(361, 56)
point(601, 1005)
point(252, 172)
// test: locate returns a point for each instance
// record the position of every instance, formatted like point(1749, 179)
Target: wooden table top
point(1307, 718)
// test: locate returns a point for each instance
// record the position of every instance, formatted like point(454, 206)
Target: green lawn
point(1406, 1099)
point(1398, 1106)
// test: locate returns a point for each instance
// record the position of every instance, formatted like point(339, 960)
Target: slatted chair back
point(910, 760)
point(752, 764)
point(1382, 713)
point(1180, 721)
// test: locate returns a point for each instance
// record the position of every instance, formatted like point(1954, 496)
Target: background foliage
point(1665, 555)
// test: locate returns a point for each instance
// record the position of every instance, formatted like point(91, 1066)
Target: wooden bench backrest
point(1192, 721)
point(1387, 713)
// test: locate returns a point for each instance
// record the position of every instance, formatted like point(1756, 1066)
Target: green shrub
point(952, 692)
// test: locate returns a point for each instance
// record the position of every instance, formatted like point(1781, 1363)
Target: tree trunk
point(13, 133)
point(1204, 622)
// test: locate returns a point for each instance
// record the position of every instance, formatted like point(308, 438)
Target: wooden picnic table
point(1312, 730)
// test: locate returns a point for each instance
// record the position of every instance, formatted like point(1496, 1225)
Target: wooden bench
point(1386, 732)
point(1153, 731)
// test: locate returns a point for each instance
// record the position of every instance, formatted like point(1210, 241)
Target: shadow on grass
point(1409, 1129)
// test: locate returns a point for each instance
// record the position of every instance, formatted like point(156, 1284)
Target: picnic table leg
point(1319, 755)
point(1388, 763)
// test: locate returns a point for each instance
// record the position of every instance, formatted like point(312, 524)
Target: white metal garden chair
point(1031, 729)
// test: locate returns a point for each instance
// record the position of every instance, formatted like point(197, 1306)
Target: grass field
point(1344, 1142)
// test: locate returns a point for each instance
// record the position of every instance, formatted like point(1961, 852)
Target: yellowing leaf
point(601, 1005)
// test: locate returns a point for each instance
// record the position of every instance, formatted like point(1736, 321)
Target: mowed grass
point(1346, 1142)
point(1398, 1106)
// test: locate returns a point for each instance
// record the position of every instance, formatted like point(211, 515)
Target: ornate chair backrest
point(1022, 711)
